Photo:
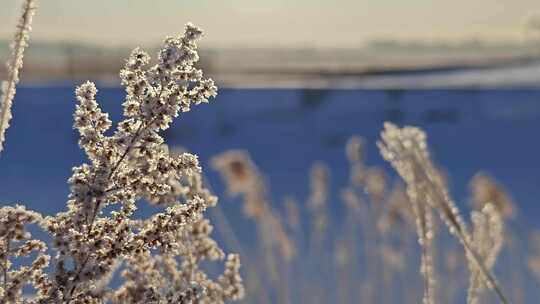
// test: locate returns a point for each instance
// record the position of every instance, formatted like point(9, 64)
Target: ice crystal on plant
point(16, 241)
point(14, 65)
point(487, 240)
point(161, 253)
point(407, 151)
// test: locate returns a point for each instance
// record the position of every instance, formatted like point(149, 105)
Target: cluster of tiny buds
point(231, 280)
point(174, 84)
point(125, 167)
point(15, 241)
point(406, 150)
point(487, 240)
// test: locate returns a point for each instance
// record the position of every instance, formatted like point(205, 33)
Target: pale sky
point(338, 23)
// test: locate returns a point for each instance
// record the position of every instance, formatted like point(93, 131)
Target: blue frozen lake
point(286, 130)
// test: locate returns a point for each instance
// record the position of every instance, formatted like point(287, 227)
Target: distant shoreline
point(384, 63)
point(375, 67)
point(521, 72)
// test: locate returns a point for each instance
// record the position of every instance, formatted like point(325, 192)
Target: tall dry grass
point(14, 65)
point(387, 246)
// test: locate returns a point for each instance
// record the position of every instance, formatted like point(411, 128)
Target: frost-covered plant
point(243, 178)
point(16, 242)
point(14, 65)
point(407, 151)
point(159, 256)
point(487, 241)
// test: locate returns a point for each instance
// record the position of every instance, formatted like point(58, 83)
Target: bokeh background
point(299, 43)
point(297, 79)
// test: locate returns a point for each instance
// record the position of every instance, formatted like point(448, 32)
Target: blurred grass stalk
point(14, 65)
point(370, 255)
point(406, 149)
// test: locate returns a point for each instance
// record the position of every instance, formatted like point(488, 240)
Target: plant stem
point(484, 270)
point(14, 65)
point(98, 203)
point(5, 265)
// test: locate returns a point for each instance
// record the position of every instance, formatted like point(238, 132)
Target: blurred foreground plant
point(14, 65)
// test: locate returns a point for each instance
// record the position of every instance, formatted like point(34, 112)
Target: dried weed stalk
point(406, 149)
point(14, 65)
point(159, 256)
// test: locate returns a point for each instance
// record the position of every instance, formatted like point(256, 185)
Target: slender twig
point(14, 65)
point(98, 203)
point(5, 265)
point(485, 271)
point(487, 274)
point(227, 232)
point(95, 211)
point(464, 240)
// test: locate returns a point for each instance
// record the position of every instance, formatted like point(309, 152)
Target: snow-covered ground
point(516, 75)
point(521, 75)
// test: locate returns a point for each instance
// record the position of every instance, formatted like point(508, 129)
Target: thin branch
point(5, 266)
point(14, 65)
